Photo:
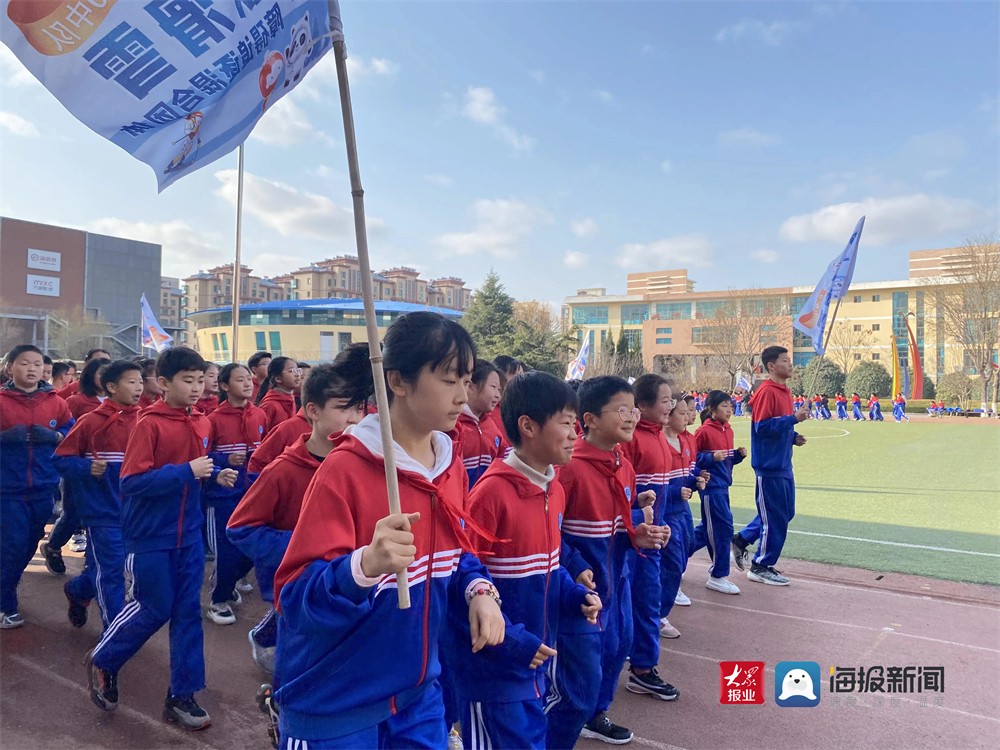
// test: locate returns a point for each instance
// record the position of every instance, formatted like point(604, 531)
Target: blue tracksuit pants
point(68, 522)
point(416, 726)
point(103, 575)
point(841, 411)
point(775, 509)
point(165, 587)
point(230, 563)
point(520, 724)
point(646, 601)
point(583, 676)
point(674, 557)
point(22, 526)
point(856, 413)
point(716, 529)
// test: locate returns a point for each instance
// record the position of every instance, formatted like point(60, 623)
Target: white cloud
point(681, 251)
point(13, 70)
point(292, 212)
point(605, 97)
point(575, 259)
point(905, 218)
point(765, 256)
point(17, 125)
point(772, 34)
point(321, 81)
point(666, 166)
point(481, 106)
point(584, 227)
point(748, 137)
point(502, 225)
point(287, 124)
point(358, 67)
point(441, 180)
point(185, 249)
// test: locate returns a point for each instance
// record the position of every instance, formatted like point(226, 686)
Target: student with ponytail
point(277, 393)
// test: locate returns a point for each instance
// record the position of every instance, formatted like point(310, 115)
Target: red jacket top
point(772, 431)
point(233, 430)
point(147, 400)
point(712, 436)
point(275, 497)
point(650, 456)
point(70, 390)
point(278, 407)
point(209, 403)
point(480, 443)
point(79, 404)
point(31, 425)
point(278, 439)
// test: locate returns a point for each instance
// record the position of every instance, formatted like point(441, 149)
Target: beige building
point(214, 288)
point(171, 310)
point(662, 315)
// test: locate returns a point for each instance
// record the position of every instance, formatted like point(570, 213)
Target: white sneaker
point(681, 599)
point(455, 740)
point(11, 621)
point(78, 543)
point(236, 600)
point(221, 614)
point(722, 585)
point(244, 585)
point(667, 630)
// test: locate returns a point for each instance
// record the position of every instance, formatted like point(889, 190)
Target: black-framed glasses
point(624, 413)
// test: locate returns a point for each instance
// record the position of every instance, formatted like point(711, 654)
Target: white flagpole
point(234, 352)
point(374, 350)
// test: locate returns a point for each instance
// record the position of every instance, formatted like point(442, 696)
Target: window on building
point(709, 310)
point(797, 304)
point(215, 344)
point(664, 340)
point(274, 339)
point(800, 340)
point(664, 330)
point(673, 310)
point(590, 314)
point(634, 314)
point(857, 357)
point(329, 283)
point(857, 297)
point(876, 326)
point(876, 356)
point(876, 298)
point(857, 327)
point(224, 340)
point(260, 341)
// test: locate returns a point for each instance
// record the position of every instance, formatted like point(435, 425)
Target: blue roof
point(384, 306)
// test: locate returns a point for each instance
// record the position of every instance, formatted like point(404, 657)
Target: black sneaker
point(767, 575)
point(185, 711)
point(740, 554)
point(103, 685)
point(77, 608)
point(53, 559)
point(269, 707)
point(651, 684)
point(605, 730)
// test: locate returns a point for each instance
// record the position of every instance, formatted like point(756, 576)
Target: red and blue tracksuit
point(480, 442)
point(650, 456)
point(235, 430)
point(100, 435)
point(31, 425)
point(342, 684)
point(716, 528)
point(677, 515)
point(262, 524)
point(899, 409)
point(278, 406)
point(874, 409)
point(841, 408)
point(165, 555)
point(502, 694)
point(772, 435)
point(596, 535)
point(278, 439)
point(856, 409)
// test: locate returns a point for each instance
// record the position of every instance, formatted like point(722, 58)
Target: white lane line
point(895, 697)
point(869, 628)
point(189, 740)
point(896, 544)
point(653, 743)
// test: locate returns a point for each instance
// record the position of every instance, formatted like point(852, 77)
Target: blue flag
point(579, 365)
point(811, 319)
point(153, 335)
point(743, 383)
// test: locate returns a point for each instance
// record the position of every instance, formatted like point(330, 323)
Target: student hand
point(686, 493)
point(700, 483)
point(719, 456)
point(649, 537)
point(647, 498)
point(647, 514)
point(485, 622)
point(591, 606)
point(391, 549)
point(97, 468)
point(705, 475)
point(201, 467)
point(742, 452)
point(802, 414)
point(586, 578)
point(227, 477)
point(237, 459)
point(800, 439)
point(541, 656)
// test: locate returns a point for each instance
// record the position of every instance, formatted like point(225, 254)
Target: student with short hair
point(151, 391)
point(598, 533)
point(62, 374)
point(33, 420)
point(275, 441)
point(258, 364)
point(480, 440)
point(47, 369)
point(165, 461)
point(90, 461)
point(211, 398)
point(74, 387)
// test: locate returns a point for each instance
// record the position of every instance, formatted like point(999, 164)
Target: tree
point(490, 317)
point(72, 333)
point(846, 342)
point(929, 389)
point(797, 383)
point(823, 376)
point(622, 348)
point(867, 378)
point(968, 303)
point(957, 388)
point(746, 322)
point(537, 340)
point(608, 345)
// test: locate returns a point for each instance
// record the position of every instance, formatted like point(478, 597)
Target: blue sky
point(566, 144)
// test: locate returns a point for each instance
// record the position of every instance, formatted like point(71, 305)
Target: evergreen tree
point(868, 378)
point(830, 379)
point(490, 317)
point(622, 348)
point(608, 347)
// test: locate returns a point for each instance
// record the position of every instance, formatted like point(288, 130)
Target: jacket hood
point(607, 461)
point(501, 469)
point(162, 409)
point(647, 425)
point(298, 454)
point(10, 389)
point(274, 395)
point(369, 433)
point(767, 386)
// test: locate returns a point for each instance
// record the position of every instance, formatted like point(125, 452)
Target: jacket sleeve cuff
point(360, 578)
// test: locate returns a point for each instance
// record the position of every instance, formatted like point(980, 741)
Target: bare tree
point(748, 321)
point(72, 333)
point(968, 297)
point(846, 340)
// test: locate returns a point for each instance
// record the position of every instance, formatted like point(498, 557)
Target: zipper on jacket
point(180, 518)
point(548, 575)
point(427, 588)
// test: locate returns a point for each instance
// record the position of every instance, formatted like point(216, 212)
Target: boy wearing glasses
point(598, 536)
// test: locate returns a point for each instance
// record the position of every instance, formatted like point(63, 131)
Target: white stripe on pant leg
point(710, 536)
point(123, 616)
point(762, 547)
point(487, 742)
point(554, 697)
point(97, 578)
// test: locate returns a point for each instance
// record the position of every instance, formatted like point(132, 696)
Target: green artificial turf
point(933, 484)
